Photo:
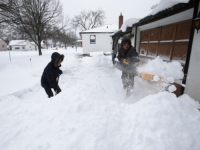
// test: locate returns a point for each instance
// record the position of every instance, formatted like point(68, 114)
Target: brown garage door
point(170, 42)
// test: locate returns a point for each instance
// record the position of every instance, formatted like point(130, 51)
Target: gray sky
point(112, 8)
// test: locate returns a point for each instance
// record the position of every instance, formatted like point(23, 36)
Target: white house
point(98, 39)
point(33, 44)
point(21, 45)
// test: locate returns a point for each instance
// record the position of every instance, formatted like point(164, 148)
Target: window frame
point(94, 41)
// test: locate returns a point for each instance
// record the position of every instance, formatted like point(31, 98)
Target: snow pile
point(90, 112)
point(99, 60)
point(128, 23)
point(164, 4)
point(160, 121)
point(169, 71)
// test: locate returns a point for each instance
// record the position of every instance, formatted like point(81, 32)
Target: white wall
point(29, 46)
point(103, 43)
point(193, 78)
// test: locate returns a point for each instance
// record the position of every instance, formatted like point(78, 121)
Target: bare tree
point(36, 18)
point(89, 20)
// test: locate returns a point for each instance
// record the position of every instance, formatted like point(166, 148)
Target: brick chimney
point(120, 20)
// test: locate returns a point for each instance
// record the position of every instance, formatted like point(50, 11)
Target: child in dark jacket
point(51, 74)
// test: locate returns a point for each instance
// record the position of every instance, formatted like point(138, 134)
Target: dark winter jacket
point(130, 54)
point(51, 72)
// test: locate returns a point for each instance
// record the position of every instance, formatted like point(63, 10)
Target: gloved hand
point(126, 62)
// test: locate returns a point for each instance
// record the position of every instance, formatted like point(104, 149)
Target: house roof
point(164, 9)
point(2, 41)
point(103, 29)
point(18, 42)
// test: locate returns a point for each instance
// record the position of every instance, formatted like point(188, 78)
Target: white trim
point(186, 15)
point(153, 41)
point(184, 40)
point(145, 42)
point(166, 41)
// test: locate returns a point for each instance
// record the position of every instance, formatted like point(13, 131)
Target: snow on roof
point(105, 28)
point(33, 43)
point(164, 4)
point(17, 42)
point(128, 23)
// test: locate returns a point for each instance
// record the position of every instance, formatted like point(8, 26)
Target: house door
point(170, 42)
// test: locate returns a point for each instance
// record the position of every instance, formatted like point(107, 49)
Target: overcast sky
point(112, 8)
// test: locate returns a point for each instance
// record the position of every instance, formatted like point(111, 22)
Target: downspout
point(195, 13)
point(135, 36)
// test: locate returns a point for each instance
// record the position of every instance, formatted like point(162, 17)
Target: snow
point(170, 79)
point(17, 42)
point(162, 69)
point(128, 23)
point(164, 4)
point(171, 88)
point(156, 78)
point(91, 112)
point(106, 28)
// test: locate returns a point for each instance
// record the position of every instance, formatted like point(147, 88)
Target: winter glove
point(126, 62)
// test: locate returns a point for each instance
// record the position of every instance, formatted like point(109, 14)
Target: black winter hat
point(126, 40)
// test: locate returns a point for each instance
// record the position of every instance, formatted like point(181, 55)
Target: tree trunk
point(39, 45)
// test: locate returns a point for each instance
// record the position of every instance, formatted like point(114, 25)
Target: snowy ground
point(91, 112)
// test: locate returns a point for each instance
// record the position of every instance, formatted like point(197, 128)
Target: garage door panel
point(180, 51)
point(154, 34)
point(144, 36)
point(152, 49)
point(167, 33)
point(165, 50)
point(143, 49)
point(183, 30)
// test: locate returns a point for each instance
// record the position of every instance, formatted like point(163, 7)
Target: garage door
point(170, 42)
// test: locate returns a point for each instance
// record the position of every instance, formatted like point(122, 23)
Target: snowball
point(171, 88)
point(156, 78)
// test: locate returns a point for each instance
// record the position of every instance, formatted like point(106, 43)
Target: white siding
point(103, 43)
point(27, 47)
point(193, 81)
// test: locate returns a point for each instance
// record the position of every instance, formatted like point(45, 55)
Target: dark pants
point(113, 57)
point(127, 79)
point(50, 93)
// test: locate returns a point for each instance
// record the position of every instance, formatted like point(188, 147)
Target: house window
point(23, 47)
point(2, 45)
point(92, 39)
point(17, 48)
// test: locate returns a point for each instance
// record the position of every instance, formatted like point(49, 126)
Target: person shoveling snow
point(127, 57)
point(51, 74)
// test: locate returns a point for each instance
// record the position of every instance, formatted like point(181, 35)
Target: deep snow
point(91, 112)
